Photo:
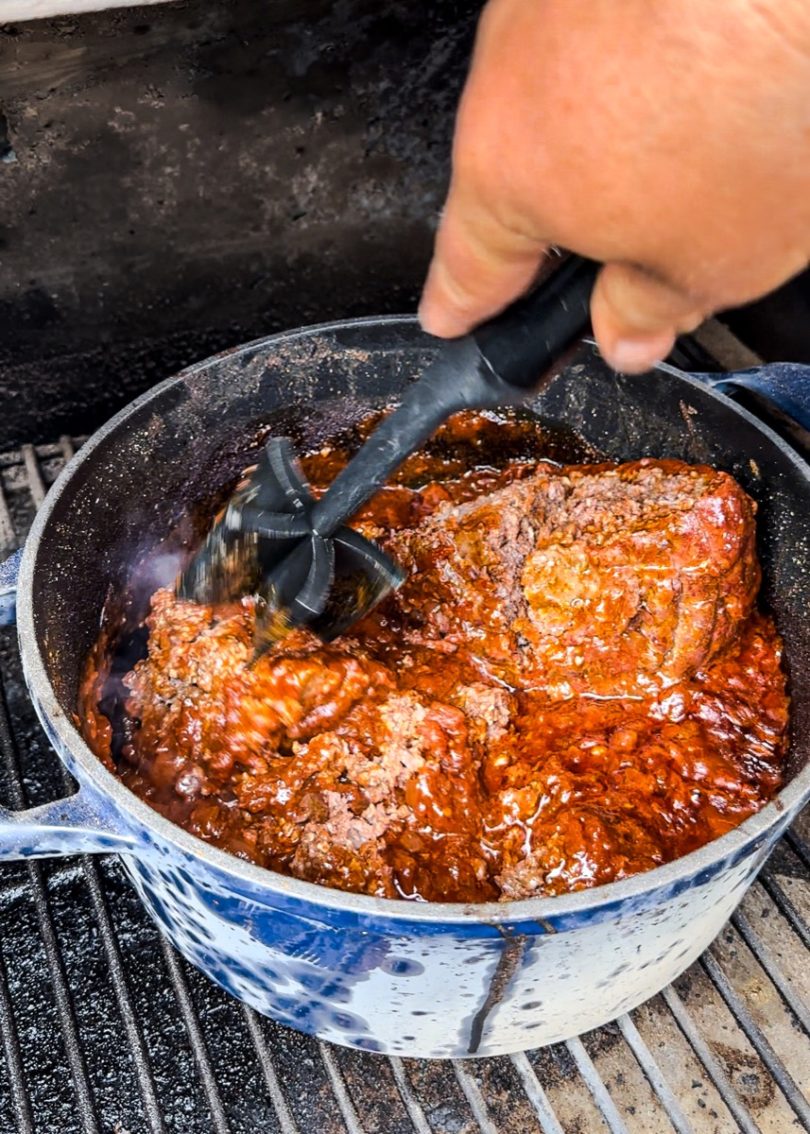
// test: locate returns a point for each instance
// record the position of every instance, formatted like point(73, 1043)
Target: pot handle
point(66, 826)
point(9, 570)
point(778, 393)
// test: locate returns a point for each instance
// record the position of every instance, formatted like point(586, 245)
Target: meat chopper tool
point(297, 554)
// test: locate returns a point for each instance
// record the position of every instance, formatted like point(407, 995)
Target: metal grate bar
point(654, 1074)
point(339, 1090)
point(769, 963)
point(199, 1050)
point(800, 847)
point(67, 447)
point(707, 1057)
point(36, 484)
point(11, 1048)
point(787, 909)
point(285, 1118)
point(536, 1095)
point(472, 1093)
point(412, 1105)
point(594, 1083)
point(756, 1038)
point(67, 1016)
point(143, 1067)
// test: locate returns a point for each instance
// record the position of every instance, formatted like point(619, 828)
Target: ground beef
point(489, 710)
point(572, 686)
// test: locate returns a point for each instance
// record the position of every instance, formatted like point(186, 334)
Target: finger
point(636, 317)
point(479, 266)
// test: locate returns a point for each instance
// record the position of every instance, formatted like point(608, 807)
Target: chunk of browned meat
point(198, 687)
point(603, 579)
point(307, 760)
point(397, 771)
point(586, 847)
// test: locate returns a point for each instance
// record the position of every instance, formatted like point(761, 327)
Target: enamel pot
point(411, 979)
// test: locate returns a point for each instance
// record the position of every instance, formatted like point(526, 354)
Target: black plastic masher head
point(264, 544)
point(296, 554)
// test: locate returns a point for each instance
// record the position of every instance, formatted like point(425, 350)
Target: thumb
point(479, 266)
point(637, 316)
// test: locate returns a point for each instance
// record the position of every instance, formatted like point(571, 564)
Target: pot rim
point(540, 909)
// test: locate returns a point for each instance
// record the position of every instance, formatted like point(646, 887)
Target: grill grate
point(104, 1028)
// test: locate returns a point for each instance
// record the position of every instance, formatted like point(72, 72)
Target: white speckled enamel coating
point(432, 995)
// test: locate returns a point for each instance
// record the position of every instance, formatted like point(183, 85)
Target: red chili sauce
point(573, 685)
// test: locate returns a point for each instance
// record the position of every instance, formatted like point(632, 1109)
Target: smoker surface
point(104, 1028)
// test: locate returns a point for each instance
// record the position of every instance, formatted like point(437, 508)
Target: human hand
point(668, 140)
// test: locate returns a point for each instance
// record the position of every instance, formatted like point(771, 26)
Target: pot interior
point(163, 458)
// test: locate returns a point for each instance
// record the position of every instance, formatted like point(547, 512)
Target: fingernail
point(636, 355)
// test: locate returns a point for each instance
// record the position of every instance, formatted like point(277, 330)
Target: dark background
point(177, 179)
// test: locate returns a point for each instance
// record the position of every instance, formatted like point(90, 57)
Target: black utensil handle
point(526, 339)
point(458, 379)
point(500, 363)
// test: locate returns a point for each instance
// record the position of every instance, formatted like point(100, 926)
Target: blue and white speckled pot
point(411, 979)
